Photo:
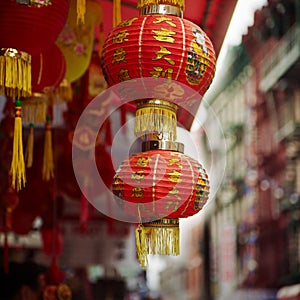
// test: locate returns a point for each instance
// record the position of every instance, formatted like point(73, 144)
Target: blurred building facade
point(249, 245)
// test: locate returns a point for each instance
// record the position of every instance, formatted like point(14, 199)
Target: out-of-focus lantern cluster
point(160, 184)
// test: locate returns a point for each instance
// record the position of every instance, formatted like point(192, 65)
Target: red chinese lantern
point(24, 31)
point(160, 185)
point(159, 45)
point(29, 28)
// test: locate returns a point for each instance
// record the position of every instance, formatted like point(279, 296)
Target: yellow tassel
point(17, 169)
point(15, 73)
point(35, 109)
point(164, 240)
point(29, 147)
point(48, 165)
point(178, 3)
point(116, 12)
point(81, 10)
point(156, 117)
point(141, 246)
point(159, 237)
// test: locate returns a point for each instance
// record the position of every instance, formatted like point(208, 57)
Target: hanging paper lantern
point(48, 70)
point(76, 40)
point(160, 185)
point(31, 29)
point(25, 31)
point(159, 45)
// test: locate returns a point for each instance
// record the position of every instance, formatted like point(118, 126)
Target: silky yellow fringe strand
point(15, 73)
point(81, 10)
point(48, 164)
point(141, 246)
point(17, 169)
point(29, 147)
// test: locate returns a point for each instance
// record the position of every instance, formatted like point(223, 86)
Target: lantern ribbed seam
point(153, 182)
point(140, 46)
point(193, 184)
point(183, 49)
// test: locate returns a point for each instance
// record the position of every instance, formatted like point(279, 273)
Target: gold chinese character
point(175, 176)
point(128, 22)
point(160, 72)
point(119, 56)
point(175, 161)
point(162, 53)
point(123, 75)
point(143, 161)
point(138, 176)
point(175, 199)
point(164, 19)
point(137, 192)
point(120, 37)
point(174, 193)
point(164, 35)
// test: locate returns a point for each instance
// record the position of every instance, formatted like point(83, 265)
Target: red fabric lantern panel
point(29, 28)
point(48, 69)
point(164, 183)
point(159, 46)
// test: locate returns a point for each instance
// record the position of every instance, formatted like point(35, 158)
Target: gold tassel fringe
point(116, 13)
point(81, 10)
point(29, 147)
point(156, 117)
point(178, 3)
point(17, 169)
point(15, 73)
point(160, 237)
point(48, 164)
point(35, 109)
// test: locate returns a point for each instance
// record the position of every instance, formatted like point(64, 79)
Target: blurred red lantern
point(48, 70)
point(29, 28)
point(25, 31)
point(161, 185)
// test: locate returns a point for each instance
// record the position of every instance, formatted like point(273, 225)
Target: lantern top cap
point(177, 3)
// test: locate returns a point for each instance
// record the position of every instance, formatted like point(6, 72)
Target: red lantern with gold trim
point(159, 44)
point(160, 186)
point(25, 31)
